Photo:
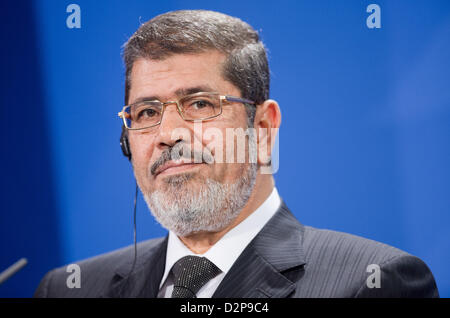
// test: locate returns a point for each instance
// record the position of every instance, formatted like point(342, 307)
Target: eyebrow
point(179, 93)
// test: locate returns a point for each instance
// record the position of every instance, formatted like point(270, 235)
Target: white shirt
point(223, 253)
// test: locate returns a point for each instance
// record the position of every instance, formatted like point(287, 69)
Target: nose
point(172, 128)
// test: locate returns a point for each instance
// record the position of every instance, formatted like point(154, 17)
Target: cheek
point(229, 145)
point(141, 152)
point(235, 141)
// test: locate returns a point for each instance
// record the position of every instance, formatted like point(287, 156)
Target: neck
point(201, 242)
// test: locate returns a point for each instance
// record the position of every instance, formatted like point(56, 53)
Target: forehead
point(169, 78)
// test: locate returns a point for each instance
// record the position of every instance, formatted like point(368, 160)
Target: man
point(191, 76)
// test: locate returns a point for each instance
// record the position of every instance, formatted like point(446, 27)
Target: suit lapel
point(145, 278)
point(271, 264)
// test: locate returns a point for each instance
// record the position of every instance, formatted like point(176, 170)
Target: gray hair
point(196, 31)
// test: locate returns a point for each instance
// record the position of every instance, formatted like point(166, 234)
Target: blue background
point(364, 142)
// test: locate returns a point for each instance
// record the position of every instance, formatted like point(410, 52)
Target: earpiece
point(124, 144)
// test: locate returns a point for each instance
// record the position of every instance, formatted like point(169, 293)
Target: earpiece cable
point(134, 231)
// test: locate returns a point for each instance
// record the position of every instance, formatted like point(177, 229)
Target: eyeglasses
point(194, 107)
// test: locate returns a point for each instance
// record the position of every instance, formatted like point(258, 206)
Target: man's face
point(168, 80)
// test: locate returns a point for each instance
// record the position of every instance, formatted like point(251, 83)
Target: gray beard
point(208, 207)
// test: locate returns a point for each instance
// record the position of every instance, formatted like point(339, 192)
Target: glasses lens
point(201, 106)
point(143, 115)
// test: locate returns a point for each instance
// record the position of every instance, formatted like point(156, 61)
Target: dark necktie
point(190, 274)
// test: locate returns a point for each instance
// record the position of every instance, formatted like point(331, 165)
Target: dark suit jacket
point(286, 259)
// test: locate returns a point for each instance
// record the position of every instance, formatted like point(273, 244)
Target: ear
point(267, 123)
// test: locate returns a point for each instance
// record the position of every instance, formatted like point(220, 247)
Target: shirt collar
point(226, 251)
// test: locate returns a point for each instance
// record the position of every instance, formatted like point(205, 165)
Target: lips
point(174, 166)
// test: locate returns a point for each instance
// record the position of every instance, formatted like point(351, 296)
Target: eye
point(147, 113)
point(201, 104)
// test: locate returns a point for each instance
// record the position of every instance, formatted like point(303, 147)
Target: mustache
point(179, 151)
